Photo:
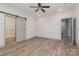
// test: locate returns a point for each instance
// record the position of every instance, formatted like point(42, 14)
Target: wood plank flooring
point(10, 42)
point(41, 47)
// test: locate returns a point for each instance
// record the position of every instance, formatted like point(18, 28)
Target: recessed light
point(59, 9)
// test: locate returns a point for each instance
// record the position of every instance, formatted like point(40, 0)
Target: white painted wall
point(50, 26)
point(30, 28)
point(2, 42)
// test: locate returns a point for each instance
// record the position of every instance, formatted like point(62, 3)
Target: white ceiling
point(24, 7)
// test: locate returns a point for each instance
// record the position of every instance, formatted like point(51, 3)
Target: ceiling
point(24, 7)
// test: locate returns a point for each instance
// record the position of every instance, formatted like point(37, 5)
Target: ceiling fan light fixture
point(40, 7)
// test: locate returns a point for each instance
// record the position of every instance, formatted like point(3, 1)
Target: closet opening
point(15, 30)
point(10, 34)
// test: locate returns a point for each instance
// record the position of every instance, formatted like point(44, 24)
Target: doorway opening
point(68, 30)
point(10, 31)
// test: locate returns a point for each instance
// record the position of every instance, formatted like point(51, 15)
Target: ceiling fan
point(40, 7)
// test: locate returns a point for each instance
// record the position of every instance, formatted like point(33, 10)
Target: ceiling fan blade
point(45, 6)
point(33, 6)
point(36, 10)
point(39, 4)
point(43, 10)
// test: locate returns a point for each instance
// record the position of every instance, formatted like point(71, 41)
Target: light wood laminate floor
point(41, 47)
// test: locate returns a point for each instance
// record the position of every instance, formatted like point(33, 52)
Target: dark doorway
point(68, 30)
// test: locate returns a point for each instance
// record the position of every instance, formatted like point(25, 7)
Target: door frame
point(73, 28)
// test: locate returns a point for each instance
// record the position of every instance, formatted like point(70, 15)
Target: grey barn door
point(20, 29)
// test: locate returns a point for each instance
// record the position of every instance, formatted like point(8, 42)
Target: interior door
point(20, 29)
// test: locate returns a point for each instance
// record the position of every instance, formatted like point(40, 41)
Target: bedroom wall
point(50, 27)
point(2, 41)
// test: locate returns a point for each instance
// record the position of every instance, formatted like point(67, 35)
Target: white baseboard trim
point(47, 38)
point(30, 38)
